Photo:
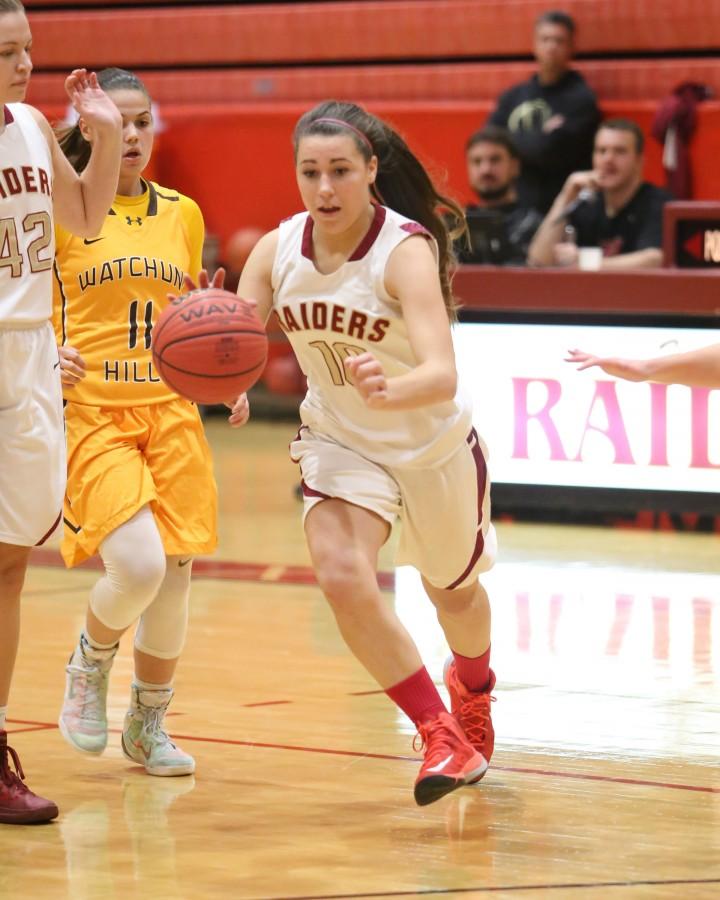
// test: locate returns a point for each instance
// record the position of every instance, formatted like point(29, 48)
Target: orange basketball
point(209, 346)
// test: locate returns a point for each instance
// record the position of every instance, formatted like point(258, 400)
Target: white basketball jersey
point(27, 240)
point(330, 317)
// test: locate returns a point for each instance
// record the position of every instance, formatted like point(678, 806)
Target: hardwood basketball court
point(605, 781)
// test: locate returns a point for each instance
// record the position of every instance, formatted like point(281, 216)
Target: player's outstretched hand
point(239, 411)
point(72, 366)
point(368, 377)
point(91, 102)
point(629, 369)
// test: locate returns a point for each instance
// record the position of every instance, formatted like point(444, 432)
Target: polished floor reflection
point(605, 781)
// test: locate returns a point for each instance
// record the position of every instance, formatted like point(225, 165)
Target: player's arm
point(255, 285)
point(256, 278)
point(72, 365)
point(411, 277)
point(551, 231)
point(696, 368)
point(81, 202)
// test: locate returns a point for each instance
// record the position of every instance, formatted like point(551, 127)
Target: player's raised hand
point(629, 369)
point(204, 281)
point(72, 366)
point(91, 102)
point(369, 379)
point(239, 411)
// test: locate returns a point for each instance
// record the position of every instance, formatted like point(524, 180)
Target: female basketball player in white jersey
point(360, 285)
point(32, 444)
point(140, 488)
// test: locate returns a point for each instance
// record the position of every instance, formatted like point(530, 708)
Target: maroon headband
point(363, 137)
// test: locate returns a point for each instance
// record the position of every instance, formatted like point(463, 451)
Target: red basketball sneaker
point(450, 761)
point(18, 804)
point(472, 711)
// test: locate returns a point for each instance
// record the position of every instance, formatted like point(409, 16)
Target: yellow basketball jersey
point(109, 291)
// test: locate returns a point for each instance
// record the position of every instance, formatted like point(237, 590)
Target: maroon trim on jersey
point(8, 116)
point(362, 248)
point(297, 437)
point(306, 247)
point(370, 238)
point(48, 533)
point(481, 470)
point(311, 492)
point(416, 228)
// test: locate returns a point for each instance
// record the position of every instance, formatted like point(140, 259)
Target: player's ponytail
point(401, 184)
point(71, 140)
point(11, 6)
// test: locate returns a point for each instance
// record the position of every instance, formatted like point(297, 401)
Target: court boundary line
point(519, 770)
point(490, 889)
point(218, 569)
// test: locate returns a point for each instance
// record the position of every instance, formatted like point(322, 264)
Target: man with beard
point(610, 207)
point(500, 229)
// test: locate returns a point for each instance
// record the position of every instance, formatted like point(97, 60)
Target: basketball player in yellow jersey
point(37, 185)
point(140, 487)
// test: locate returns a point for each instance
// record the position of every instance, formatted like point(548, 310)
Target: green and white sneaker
point(143, 739)
point(83, 718)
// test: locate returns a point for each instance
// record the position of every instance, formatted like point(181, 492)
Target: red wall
point(236, 161)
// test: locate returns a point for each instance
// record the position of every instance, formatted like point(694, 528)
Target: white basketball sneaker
point(83, 718)
point(143, 739)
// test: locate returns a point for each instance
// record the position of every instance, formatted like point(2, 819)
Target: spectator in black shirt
point(500, 229)
point(552, 117)
point(610, 207)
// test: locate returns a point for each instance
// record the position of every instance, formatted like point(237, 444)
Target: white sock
point(3, 714)
point(146, 686)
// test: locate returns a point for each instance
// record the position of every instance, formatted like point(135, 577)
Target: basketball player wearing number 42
point(37, 185)
point(359, 283)
point(140, 488)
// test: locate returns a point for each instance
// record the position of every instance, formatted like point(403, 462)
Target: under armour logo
point(130, 220)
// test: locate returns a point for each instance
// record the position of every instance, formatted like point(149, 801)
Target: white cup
point(590, 258)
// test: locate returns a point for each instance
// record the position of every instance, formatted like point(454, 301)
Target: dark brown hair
point(557, 17)
point(402, 183)
point(71, 140)
point(625, 125)
point(493, 134)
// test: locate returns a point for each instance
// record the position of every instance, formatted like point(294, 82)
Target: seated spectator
point(610, 207)
point(500, 230)
point(552, 117)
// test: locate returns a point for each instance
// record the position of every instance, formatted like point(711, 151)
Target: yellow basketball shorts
point(120, 459)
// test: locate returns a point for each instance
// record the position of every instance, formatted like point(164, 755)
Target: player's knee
point(163, 625)
point(138, 574)
point(454, 602)
point(343, 579)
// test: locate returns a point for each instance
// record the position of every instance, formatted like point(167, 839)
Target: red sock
point(417, 697)
point(474, 672)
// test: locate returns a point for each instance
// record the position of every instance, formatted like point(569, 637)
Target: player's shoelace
point(90, 688)
point(152, 726)
point(436, 738)
point(10, 778)
point(475, 717)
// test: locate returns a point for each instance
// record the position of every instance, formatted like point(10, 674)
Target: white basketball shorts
point(32, 437)
point(444, 510)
